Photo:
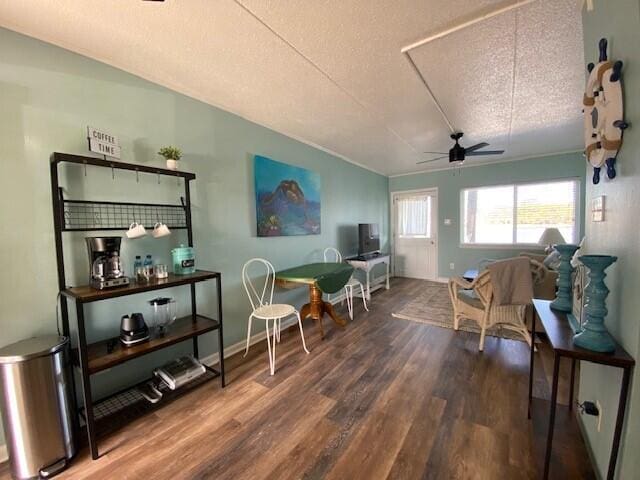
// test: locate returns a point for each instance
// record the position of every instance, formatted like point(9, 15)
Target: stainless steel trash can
point(36, 406)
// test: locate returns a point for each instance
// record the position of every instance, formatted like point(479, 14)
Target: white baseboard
point(214, 358)
point(442, 279)
point(4, 454)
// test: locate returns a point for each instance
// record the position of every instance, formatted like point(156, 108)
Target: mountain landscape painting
point(287, 199)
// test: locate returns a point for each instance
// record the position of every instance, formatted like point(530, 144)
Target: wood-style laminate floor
point(383, 398)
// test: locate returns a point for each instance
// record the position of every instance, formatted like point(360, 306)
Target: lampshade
point(551, 236)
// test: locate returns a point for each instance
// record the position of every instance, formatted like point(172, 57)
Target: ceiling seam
point(513, 76)
point(326, 75)
point(431, 94)
point(407, 49)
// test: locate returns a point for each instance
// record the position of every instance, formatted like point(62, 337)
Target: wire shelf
point(125, 406)
point(84, 215)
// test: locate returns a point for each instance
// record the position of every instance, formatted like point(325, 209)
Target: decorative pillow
point(552, 262)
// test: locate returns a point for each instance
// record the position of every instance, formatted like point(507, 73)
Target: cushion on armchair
point(470, 298)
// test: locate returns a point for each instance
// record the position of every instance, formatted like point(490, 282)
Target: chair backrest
point(332, 255)
point(264, 296)
point(484, 263)
point(484, 288)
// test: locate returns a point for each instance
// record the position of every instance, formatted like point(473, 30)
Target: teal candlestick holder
point(594, 335)
point(564, 298)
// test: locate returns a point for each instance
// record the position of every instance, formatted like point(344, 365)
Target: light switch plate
point(597, 209)
point(447, 221)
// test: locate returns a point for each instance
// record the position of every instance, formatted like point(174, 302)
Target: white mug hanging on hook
point(160, 230)
point(136, 230)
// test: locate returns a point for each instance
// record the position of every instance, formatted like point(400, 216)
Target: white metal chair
point(263, 308)
point(330, 252)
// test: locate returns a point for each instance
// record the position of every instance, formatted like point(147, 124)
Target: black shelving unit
point(86, 216)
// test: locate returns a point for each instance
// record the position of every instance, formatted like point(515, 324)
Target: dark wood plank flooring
point(382, 399)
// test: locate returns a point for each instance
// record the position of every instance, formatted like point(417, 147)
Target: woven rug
point(433, 307)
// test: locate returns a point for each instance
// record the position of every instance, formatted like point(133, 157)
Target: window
point(414, 213)
point(518, 214)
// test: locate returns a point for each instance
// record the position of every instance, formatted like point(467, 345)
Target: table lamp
point(551, 236)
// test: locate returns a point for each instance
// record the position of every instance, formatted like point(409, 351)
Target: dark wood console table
point(560, 337)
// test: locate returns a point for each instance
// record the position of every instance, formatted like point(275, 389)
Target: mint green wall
point(619, 22)
point(449, 184)
point(47, 98)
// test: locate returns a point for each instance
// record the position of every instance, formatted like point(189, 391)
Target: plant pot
point(172, 164)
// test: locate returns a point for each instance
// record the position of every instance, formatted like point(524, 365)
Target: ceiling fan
point(458, 152)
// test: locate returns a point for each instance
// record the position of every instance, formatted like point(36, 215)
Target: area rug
point(433, 307)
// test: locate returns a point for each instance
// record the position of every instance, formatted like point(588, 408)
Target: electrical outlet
point(452, 266)
point(599, 415)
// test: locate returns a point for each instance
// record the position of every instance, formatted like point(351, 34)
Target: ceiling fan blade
point(476, 147)
point(437, 153)
point(432, 160)
point(485, 152)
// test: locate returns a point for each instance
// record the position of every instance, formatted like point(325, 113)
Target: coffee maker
point(105, 268)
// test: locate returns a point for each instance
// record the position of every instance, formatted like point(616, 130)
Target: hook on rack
point(113, 172)
point(85, 168)
point(137, 176)
point(158, 178)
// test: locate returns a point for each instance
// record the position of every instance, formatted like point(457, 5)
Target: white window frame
point(513, 245)
point(429, 196)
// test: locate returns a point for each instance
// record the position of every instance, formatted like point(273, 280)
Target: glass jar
point(161, 271)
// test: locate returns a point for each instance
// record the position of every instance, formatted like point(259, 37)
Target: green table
point(320, 277)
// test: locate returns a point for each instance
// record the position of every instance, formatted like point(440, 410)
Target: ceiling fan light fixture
point(456, 154)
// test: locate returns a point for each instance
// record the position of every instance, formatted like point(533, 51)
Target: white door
point(415, 234)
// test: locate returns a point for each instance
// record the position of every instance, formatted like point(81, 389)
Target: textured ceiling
point(331, 73)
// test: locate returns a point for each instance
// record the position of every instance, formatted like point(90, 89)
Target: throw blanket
point(511, 280)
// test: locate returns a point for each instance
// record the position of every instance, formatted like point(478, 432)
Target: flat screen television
point(368, 238)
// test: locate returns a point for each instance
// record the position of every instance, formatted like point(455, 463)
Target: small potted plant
point(172, 155)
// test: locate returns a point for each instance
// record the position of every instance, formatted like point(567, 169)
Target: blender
point(163, 310)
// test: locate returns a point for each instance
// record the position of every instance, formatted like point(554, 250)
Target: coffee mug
point(136, 231)
point(160, 230)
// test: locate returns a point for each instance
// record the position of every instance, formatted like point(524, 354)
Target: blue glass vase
point(564, 297)
point(594, 335)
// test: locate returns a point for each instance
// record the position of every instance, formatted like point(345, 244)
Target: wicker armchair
point(474, 300)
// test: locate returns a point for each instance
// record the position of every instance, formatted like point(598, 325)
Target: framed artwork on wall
point(287, 199)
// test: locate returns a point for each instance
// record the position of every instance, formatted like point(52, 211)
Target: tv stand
point(366, 263)
point(367, 256)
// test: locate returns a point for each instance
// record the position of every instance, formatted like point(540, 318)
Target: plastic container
point(137, 263)
point(183, 260)
point(148, 265)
